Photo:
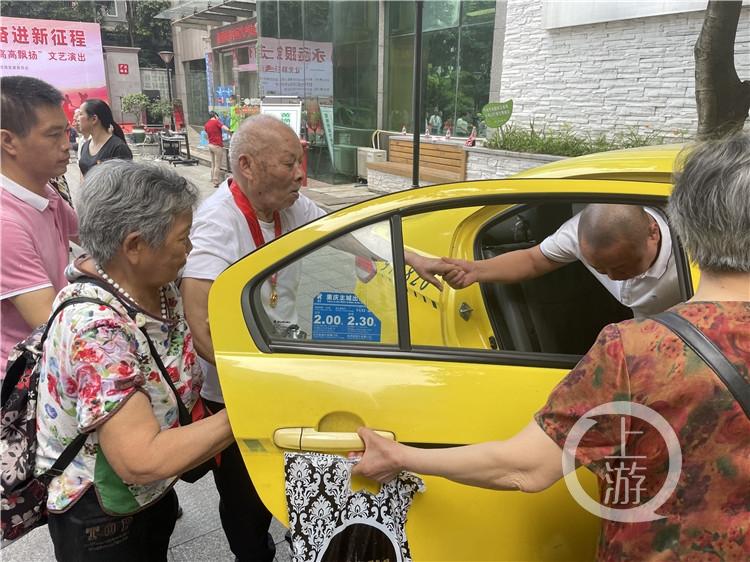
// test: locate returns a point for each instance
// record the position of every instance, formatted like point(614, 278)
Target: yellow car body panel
point(420, 401)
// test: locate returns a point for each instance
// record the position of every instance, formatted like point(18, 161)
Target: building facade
point(603, 68)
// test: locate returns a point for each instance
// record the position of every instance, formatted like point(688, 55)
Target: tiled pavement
point(198, 535)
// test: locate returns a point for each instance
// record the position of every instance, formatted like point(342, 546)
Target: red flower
point(174, 374)
point(124, 369)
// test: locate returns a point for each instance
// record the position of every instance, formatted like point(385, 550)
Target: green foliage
point(136, 104)
point(160, 108)
point(45, 10)
point(565, 142)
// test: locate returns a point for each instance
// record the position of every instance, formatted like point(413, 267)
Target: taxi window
point(342, 292)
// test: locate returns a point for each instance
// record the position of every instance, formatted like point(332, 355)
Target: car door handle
point(310, 439)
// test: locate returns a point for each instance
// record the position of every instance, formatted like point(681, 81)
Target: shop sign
point(234, 33)
point(210, 79)
point(497, 114)
point(326, 115)
point(289, 114)
point(67, 54)
point(290, 67)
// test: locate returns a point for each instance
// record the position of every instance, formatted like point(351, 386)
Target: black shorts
point(85, 533)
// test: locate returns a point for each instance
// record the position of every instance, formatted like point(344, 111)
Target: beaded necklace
point(124, 293)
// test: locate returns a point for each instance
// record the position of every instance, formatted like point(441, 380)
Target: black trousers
point(243, 516)
point(85, 533)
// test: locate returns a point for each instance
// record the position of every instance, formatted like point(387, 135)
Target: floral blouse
point(707, 517)
point(94, 359)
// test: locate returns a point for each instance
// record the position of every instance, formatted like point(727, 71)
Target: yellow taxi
point(363, 345)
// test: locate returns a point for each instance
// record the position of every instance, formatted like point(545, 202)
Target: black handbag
point(710, 354)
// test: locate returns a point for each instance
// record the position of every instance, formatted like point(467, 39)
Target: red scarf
point(243, 203)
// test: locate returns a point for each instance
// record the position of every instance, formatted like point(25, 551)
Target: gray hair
point(119, 197)
point(710, 205)
point(255, 135)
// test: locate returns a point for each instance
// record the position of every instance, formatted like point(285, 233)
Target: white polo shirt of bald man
point(651, 292)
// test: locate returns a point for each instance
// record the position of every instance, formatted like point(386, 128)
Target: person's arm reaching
point(195, 300)
point(530, 461)
point(512, 267)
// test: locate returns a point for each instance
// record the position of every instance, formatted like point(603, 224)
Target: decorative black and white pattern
point(323, 508)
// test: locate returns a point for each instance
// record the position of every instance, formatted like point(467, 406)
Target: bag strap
point(712, 355)
point(182, 410)
point(65, 458)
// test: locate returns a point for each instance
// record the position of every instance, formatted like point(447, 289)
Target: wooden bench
point(439, 162)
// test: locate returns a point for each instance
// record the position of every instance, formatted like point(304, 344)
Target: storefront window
point(439, 51)
point(290, 19)
point(440, 14)
point(456, 61)
point(268, 18)
point(477, 11)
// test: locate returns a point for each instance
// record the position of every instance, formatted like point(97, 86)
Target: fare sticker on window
point(343, 317)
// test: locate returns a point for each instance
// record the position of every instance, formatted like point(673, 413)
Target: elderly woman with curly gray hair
point(117, 373)
point(645, 364)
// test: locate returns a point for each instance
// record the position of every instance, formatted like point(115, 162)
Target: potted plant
point(161, 109)
point(136, 104)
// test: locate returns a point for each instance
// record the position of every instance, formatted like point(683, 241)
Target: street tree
point(723, 99)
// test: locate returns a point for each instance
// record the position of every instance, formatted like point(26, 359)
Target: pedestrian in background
point(36, 225)
point(107, 139)
point(214, 128)
point(644, 362)
point(101, 376)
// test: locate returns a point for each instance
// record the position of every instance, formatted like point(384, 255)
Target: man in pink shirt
point(35, 223)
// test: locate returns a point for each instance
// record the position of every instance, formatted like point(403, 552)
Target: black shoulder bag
point(710, 354)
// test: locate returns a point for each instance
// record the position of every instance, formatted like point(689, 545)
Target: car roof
point(647, 163)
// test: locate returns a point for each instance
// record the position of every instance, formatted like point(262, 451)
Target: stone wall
point(382, 182)
point(610, 76)
point(485, 163)
point(481, 164)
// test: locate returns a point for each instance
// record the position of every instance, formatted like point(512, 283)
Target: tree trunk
point(723, 100)
point(130, 15)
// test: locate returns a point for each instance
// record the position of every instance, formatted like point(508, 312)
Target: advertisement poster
point(67, 54)
point(290, 67)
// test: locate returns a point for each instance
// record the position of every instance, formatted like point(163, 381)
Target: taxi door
point(330, 357)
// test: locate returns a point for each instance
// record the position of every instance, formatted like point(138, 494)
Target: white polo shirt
point(651, 292)
point(221, 236)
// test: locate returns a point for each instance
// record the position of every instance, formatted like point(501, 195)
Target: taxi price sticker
point(343, 317)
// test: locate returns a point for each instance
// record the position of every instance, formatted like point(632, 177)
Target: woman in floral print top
point(98, 377)
point(707, 516)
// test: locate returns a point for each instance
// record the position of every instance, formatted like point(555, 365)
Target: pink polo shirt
point(34, 234)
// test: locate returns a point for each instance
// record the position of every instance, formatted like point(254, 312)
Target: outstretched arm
point(530, 461)
point(513, 267)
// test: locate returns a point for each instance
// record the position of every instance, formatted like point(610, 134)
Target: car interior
point(561, 312)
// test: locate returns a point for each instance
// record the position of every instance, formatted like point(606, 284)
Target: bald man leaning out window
point(626, 247)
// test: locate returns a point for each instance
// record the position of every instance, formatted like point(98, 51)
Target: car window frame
point(404, 350)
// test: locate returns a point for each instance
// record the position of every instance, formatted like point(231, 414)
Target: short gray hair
point(119, 197)
point(255, 135)
point(710, 205)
